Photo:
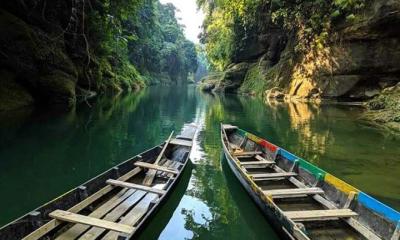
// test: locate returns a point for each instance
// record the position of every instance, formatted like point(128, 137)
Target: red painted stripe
point(268, 145)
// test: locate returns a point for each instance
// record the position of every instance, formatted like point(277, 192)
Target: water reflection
point(61, 150)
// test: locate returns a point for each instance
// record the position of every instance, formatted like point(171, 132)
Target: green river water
point(43, 155)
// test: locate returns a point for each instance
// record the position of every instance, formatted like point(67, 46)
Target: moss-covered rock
point(385, 108)
point(57, 88)
point(38, 64)
point(12, 94)
point(209, 82)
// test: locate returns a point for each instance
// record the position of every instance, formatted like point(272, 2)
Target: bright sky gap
point(189, 16)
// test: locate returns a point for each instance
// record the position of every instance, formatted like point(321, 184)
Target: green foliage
point(140, 34)
point(160, 47)
point(313, 20)
point(228, 22)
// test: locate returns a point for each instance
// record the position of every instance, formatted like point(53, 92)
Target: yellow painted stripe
point(253, 138)
point(339, 184)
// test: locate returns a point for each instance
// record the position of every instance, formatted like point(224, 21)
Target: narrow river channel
point(43, 155)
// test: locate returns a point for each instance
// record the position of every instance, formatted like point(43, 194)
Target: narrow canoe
point(114, 205)
point(300, 200)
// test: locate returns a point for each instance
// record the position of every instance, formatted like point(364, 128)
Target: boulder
point(233, 77)
point(208, 87)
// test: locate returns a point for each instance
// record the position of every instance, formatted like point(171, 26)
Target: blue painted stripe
point(379, 207)
point(289, 156)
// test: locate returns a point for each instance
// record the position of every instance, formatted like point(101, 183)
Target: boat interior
point(320, 209)
point(111, 206)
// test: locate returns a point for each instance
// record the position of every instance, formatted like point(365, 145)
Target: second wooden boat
point(301, 200)
point(113, 205)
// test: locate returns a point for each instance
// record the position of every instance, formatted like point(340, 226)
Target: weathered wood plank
point(181, 142)
point(259, 158)
point(156, 167)
point(273, 175)
point(265, 162)
point(46, 228)
point(152, 172)
point(135, 186)
point(246, 153)
point(228, 126)
point(77, 218)
point(295, 191)
point(314, 215)
point(367, 233)
point(78, 229)
point(114, 215)
point(134, 215)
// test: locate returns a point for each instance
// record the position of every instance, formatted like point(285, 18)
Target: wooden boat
point(113, 205)
point(300, 200)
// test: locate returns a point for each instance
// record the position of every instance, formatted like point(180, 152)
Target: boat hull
point(300, 200)
point(272, 218)
point(40, 224)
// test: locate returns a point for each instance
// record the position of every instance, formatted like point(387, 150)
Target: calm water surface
point(42, 155)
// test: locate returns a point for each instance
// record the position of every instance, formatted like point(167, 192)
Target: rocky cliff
point(360, 59)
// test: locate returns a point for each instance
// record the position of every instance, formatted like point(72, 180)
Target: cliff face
point(360, 60)
point(33, 65)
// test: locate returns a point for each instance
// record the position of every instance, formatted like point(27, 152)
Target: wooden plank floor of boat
point(306, 212)
point(127, 207)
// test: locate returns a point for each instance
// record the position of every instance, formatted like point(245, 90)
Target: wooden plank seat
point(77, 218)
point(257, 163)
point(283, 193)
point(246, 153)
point(134, 215)
point(135, 186)
point(266, 176)
point(38, 233)
point(259, 158)
point(156, 167)
point(228, 126)
point(181, 142)
point(320, 215)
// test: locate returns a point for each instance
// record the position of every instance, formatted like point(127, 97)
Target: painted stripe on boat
point(271, 147)
point(378, 207)
point(241, 132)
point(268, 145)
point(253, 138)
point(340, 184)
point(314, 170)
point(289, 156)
